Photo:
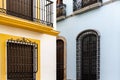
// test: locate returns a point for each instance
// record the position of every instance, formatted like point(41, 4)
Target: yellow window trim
point(3, 55)
point(25, 24)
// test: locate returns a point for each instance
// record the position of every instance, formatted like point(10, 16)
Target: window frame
point(3, 52)
point(79, 52)
point(32, 47)
point(65, 54)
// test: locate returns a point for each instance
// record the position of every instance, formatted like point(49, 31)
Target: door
point(61, 60)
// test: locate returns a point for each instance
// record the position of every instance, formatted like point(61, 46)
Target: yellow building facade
point(26, 28)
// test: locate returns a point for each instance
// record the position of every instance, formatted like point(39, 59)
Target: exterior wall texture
point(47, 50)
point(105, 20)
point(14, 26)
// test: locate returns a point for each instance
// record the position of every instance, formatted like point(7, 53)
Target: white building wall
point(106, 20)
point(47, 49)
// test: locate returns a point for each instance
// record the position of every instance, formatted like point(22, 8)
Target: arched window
point(88, 56)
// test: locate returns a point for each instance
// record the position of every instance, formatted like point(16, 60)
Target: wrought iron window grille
point(22, 59)
point(88, 56)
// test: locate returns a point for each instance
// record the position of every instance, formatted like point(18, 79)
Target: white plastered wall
point(105, 20)
point(47, 49)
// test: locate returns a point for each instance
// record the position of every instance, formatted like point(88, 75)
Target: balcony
point(40, 11)
point(61, 11)
point(83, 6)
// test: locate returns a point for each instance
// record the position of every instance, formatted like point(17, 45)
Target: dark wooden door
point(60, 60)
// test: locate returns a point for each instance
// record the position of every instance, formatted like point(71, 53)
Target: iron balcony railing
point(40, 11)
point(79, 4)
point(61, 10)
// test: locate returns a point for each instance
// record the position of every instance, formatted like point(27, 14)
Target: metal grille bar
point(87, 3)
point(21, 60)
point(78, 4)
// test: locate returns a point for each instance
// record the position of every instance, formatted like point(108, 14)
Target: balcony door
point(20, 8)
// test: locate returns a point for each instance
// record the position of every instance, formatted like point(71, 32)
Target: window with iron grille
point(88, 56)
point(21, 60)
point(60, 59)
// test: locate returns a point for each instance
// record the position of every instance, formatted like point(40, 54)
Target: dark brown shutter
point(21, 61)
point(20, 8)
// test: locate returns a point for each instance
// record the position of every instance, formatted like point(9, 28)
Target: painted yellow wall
point(13, 21)
point(38, 9)
point(25, 24)
point(2, 5)
point(3, 59)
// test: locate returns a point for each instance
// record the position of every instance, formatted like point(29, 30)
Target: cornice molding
point(27, 25)
point(108, 2)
